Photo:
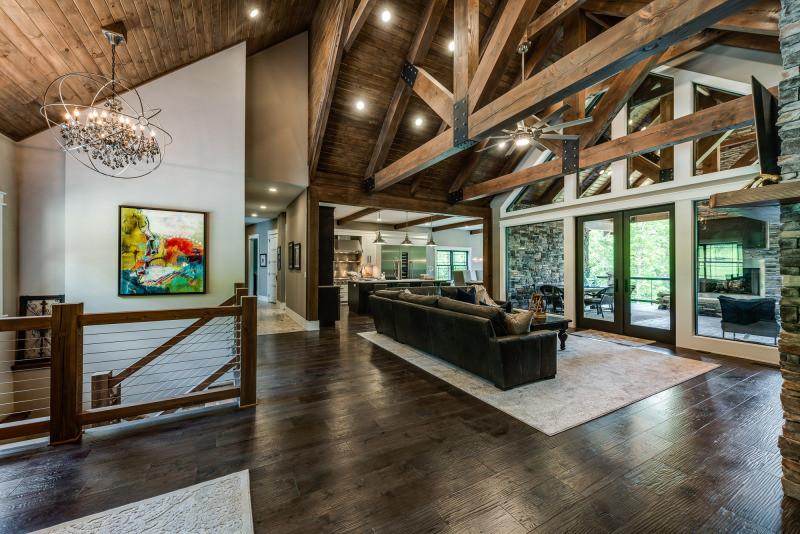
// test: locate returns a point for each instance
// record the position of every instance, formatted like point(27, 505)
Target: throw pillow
point(495, 315)
point(422, 300)
point(507, 307)
point(467, 295)
point(519, 323)
point(483, 296)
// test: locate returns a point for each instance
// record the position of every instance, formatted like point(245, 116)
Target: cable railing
point(647, 288)
point(109, 367)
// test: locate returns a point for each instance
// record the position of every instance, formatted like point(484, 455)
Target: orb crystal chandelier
point(114, 134)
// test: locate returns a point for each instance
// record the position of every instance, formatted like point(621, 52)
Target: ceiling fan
point(524, 134)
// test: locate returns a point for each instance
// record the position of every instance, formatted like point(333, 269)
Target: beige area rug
point(594, 378)
point(220, 505)
point(274, 320)
point(614, 338)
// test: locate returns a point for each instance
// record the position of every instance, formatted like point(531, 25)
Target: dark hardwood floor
point(348, 437)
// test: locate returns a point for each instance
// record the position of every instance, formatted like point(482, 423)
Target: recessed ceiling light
point(254, 215)
point(254, 12)
point(418, 121)
point(451, 46)
point(360, 105)
point(273, 189)
point(263, 207)
point(386, 15)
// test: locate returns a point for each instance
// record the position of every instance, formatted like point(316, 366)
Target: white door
point(272, 266)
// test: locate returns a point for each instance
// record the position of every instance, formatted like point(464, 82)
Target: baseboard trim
point(296, 317)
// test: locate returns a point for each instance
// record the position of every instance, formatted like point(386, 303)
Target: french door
point(626, 273)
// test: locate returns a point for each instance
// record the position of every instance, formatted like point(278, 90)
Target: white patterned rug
point(220, 505)
point(594, 378)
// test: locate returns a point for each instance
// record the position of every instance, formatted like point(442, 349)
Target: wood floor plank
point(349, 438)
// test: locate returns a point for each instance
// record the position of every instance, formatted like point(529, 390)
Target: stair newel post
point(247, 356)
point(66, 385)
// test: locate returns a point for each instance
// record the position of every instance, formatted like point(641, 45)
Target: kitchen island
point(358, 291)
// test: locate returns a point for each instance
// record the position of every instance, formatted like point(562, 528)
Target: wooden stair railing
point(107, 387)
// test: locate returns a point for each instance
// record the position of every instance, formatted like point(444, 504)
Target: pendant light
point(378, 237)
point(406, 242)
point(431, 242)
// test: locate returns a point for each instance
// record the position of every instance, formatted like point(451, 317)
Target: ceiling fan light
point(522, 141)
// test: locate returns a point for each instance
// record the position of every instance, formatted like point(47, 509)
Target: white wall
point(8, 255)
point(42, 233)
point(203, 170)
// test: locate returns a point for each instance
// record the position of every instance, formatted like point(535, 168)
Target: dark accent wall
point(534, 256)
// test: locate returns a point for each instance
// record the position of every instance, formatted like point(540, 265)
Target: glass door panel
point(649, 279)
point(598, 268)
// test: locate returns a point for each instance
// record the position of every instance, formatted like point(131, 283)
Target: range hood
point(345, 244)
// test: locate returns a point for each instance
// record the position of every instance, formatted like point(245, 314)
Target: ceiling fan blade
point(553, 114)
point(489, 147)
point(569, 124)
point(510, 149)
point(499, 137)
point(560, 137)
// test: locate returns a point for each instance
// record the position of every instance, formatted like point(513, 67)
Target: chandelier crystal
point(114, 135)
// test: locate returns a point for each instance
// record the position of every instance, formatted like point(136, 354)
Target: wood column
point(66, 384)
point(488, 275)
point(248, 352)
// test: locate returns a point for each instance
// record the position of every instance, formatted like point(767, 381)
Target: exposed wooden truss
point(330, 27)
point(759, 18)
point(363, 11)
point(419, 49)
point(421, 220)
point(356, 216)
point(709, 122)
point(650, 31)
point(456, 225)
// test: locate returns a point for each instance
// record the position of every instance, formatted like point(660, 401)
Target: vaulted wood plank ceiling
point(43, 39)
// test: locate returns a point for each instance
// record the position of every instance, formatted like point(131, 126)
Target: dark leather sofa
point(468, 341)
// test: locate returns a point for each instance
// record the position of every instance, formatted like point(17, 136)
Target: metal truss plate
point(571, 157)
point(369, 184)
point(455, 196)
point(461, 122)
point(409, 74)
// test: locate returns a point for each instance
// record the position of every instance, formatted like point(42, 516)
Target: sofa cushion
point(518, 323)
point(495, 315)
point(467, 295)
point(422, 300)
point(388, 293)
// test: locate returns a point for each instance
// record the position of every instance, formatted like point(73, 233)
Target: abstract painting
point(161, 252)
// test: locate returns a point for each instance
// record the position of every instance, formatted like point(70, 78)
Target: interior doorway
point(272, 266)
point(626, 273)
point(252, 279)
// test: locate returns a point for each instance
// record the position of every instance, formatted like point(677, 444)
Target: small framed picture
point(290, 263)
point(262, 260)
point(278, 258)
point(297, 256)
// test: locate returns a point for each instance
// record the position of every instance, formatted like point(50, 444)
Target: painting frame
point(290, 262)
point(205, 217)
